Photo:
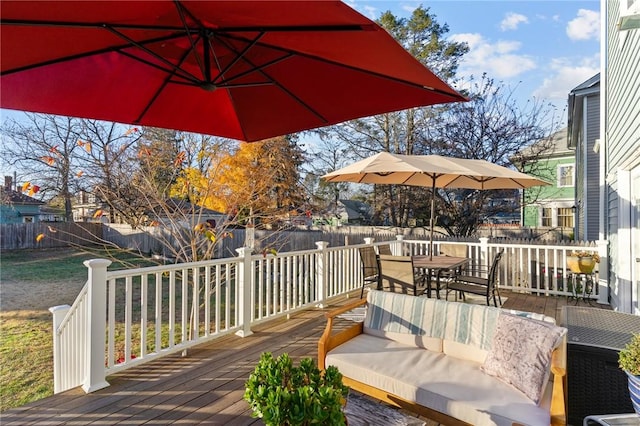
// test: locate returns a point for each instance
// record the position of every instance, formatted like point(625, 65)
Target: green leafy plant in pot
point(284, 395)
point(629, 361)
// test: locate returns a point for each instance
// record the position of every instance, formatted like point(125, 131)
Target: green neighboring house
point(16, 207)
point(551, 206)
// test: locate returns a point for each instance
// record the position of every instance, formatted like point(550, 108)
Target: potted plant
point(582, 262)
point(629, 361)
point(284, 395)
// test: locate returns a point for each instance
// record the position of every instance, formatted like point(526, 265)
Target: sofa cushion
point(444, 383)
point(521, 353)
point(393, 316)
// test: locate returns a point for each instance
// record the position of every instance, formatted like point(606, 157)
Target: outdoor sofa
point(454, 363)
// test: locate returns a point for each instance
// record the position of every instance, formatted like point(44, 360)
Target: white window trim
point(540, 215)
point(629, 17)
point(573, 175)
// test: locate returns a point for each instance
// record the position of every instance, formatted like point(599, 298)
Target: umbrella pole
point(433, 196)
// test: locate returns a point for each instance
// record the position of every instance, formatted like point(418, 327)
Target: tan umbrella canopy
point(433, 171)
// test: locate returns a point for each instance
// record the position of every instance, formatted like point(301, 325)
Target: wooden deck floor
point(207, 386)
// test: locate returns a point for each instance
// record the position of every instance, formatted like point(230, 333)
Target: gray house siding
point(592, 170)
point(620, 131)
point(583, 131)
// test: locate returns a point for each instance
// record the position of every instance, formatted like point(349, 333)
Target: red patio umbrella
point(246, 70)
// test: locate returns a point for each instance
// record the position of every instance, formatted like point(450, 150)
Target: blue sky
point(541, 49)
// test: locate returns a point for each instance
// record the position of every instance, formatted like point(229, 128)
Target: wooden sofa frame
point(330, 340)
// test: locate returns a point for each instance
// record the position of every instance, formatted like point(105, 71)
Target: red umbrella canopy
point(246, 70)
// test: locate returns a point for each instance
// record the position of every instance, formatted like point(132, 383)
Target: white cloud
point(499, 60)
point(565, 74)
point(512, 20)
point(585, 26)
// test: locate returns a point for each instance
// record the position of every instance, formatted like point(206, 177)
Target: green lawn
point(47, 264)
point(26, 360)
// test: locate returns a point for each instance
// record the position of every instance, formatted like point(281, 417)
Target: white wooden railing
point(127, 317)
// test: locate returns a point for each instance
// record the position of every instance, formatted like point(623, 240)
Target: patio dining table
point(436, 265)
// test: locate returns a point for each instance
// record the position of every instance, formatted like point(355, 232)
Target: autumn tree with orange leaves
point(258, 182)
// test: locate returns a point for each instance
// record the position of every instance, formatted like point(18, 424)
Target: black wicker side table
point(596, 385)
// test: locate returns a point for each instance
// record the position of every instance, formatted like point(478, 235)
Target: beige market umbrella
point(433, 171)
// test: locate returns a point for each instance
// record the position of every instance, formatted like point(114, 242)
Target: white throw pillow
point(520, 353)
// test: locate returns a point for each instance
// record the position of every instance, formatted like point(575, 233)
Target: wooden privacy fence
point(150, 240)
point(56, 234)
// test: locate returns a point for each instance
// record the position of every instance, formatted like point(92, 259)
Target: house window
point(546, 216)
point(565, 175)
point(629, 15)
point(565, 217)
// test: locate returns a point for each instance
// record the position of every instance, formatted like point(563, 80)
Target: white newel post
point(603, 272)
point(322, 263)
point(245, 283)
point(397, 246)
point(58, 312)
point(97, 323)
point(484, 252)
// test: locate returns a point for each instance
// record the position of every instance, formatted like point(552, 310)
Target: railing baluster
point(184, 297)
point(207, 301)
point(172, 308)
point(158, 312)
point(128, 317)
point(143, 314)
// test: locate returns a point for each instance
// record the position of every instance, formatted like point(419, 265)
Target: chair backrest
point(455, 250)
point(397, 274)
point(369, 261)
point(385, 249)
point(493, 270)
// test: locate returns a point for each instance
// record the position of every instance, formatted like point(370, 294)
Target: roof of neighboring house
point(576, 106)
point(558, 147)
point(9, 196)
point(356, 209)
point(592, 82)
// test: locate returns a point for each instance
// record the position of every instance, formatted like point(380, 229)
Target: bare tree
point(397, 132)
point(493, 127)
point(105, 164)
point(45, 148)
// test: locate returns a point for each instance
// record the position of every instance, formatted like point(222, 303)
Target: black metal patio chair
point(480, 282)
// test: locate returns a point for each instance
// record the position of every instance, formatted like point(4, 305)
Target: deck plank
point(207, 386)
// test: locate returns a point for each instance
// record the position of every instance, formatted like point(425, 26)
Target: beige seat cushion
point(444, 383)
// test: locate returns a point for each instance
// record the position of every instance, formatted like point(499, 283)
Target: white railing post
point(245, 285)
point(603, 272)
point(484, 252)
point(97, 323)
point(58, 312)
point(396, 248)
point(322, 273)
